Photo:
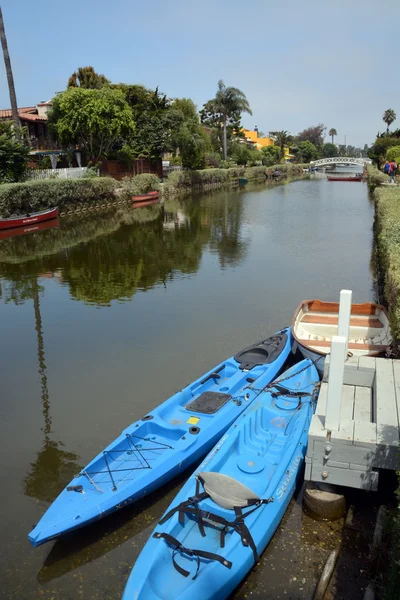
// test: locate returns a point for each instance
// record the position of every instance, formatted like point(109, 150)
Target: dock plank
point(396, 374)
point(385, 395)
point(347, 405)
point(363, 404)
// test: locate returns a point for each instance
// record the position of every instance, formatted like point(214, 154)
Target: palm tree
point(227, 106)
point(332, 133)
point(282, 139)
point(10, 79)
point(389, 116)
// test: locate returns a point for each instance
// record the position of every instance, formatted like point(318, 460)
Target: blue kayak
point(224, 516)
point(163, 443)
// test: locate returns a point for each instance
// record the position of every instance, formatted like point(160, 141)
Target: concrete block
point(365, 434)
point(367, 362)
point(364, 480)
point(322, 397)
point(317, 431)
point(346, 433)
point(363, 404)
point(339, 465)
point(385, 394)
point(347, 408)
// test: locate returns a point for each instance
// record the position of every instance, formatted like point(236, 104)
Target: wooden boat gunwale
point(154, 195)
point(357, 309)
point(24, 220)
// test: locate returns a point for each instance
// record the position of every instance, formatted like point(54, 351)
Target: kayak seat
point(227, 491)
point(263, 353)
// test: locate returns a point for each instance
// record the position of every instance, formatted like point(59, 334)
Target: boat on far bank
point(29, 219)
point(144, 197)
point(243, 181)
point(315, 323)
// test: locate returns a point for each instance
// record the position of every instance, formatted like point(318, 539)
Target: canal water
point(110, 313)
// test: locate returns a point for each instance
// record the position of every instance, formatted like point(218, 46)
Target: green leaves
point(94, 119)
point(13, 155)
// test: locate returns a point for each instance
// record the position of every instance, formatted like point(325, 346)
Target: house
point(34, 118)
point(252, 138)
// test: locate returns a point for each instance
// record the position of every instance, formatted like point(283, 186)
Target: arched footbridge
point(340, 160)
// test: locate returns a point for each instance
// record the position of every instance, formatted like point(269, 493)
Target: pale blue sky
point(299, 63)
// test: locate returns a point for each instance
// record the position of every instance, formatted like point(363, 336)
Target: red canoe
point(143, 197)
point(22, 221)
point(9, 233)
point(147, 203)
point(337, 178)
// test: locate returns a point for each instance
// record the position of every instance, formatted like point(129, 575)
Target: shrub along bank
point(186, 181)
point(387, 238)
point(375, 177)
point(41, 194)
point(38, 195)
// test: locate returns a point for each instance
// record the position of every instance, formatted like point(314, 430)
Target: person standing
point(392, 171)
point(386, 167)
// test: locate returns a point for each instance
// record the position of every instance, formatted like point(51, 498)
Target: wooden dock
point(367, 439)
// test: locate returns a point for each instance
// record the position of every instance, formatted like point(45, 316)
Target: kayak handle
point(213, 375)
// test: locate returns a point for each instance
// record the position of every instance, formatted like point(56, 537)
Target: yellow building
point(260, 142)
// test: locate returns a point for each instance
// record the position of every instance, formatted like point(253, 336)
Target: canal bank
point(129, 314)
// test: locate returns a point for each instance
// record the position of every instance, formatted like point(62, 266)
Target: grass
point(387, 215)
point(375, 177)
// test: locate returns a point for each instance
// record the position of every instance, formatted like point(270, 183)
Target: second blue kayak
point(166, 441)
point(224, 516)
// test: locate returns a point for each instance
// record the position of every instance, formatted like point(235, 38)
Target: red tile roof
point(7, 113)
point(29, 117)
point(28, 113)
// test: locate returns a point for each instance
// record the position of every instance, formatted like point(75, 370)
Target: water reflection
point(53, 466)
point(109, 256)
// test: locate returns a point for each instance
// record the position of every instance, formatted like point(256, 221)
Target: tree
point(378, 150)
point(393, 154)
point(314, 134)
point(187, 136)
point(10, 78)
point(225, 110)
point(388, 117)
point(305, 151)
point(283, 139)
point(86, 77)
point(271, 155)
point(150, 112)
point(332, 133)
point(329, 150)
point(94, 119)
point(14, 156)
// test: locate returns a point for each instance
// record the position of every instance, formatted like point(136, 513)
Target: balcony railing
point(42, 143)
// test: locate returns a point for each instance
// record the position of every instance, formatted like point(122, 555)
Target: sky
point(299, 63)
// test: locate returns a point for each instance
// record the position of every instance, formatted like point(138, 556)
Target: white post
point(345, 315)
point(335, 383)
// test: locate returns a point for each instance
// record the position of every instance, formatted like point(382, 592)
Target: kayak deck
point(263, 452)
point(164, 442)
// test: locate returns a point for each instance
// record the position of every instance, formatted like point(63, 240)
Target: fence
point(169, 168)
point(72, 173)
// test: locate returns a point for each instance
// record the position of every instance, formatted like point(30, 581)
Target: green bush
point(375, 177)
point(140, 184)
point(185, 181)
point(40, 194)
point(388, 242)
point(393, 154)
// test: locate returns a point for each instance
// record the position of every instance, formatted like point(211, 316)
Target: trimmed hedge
point(387, 203)
point(140, 184)
point(375, 177)
point(186, 181)
point(41, 194)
